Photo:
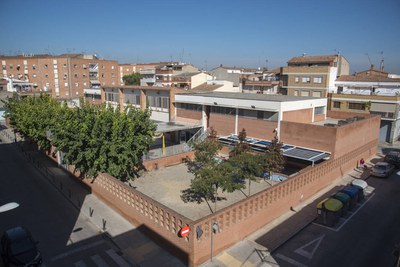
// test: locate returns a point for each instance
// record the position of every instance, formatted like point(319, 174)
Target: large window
point(223, 110)
point(305, 79)
point(189, 106)
point(357, 106)
point(112, 97)
point(158, 102)
point(316, 94)
point(132, 99)
point(317, 79)
point(319, 110)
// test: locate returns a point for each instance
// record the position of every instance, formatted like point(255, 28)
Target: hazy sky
point(206, 33)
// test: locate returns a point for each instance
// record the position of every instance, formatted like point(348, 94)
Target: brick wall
point(223, 124)
point(167, 161)
point(257, 128)
point(185, 115)
point(303, 115)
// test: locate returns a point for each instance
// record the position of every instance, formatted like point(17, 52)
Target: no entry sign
point(185, 231)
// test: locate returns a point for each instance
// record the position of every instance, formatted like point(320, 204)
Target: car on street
point(382, 169)
point(393, 157)
point(18, 248)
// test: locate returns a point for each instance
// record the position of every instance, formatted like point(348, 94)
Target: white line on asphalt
point(118, 259)
point(290, 260)
point(80, 264)
point(99, 261)
point(68, 253)
point(301, 251)
point(346, 220)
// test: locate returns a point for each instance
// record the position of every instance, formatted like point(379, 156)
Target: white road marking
point(346, 220)
point(301, 251)
point(79, 249)
point(118, 259)
point(80, 264)
point(290, 260)
point(99, 261)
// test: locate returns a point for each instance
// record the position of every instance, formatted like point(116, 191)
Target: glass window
point(336, 104)
point(305, 79)
point(317, 79)
point(357, 106)
point(296, 79)
point(319, 110)
point(316, 94)
point(305, 93)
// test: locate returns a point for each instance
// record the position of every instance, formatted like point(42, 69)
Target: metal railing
point(169, 151)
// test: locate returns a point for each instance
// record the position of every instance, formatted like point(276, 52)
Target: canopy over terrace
point(290, 151)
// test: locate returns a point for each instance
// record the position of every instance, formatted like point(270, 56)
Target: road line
point(99, 261)
point(118, 259)
point(301, 251)
point(68, 253)
point(290, 260)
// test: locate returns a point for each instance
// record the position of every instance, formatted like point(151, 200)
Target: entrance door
point(384, 131)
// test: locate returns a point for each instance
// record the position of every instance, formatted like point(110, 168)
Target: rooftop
point(205, 87)
point(313, 59)
point(262, 97)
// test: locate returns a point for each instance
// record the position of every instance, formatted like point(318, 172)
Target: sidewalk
point(129, 242)
point(250, 252)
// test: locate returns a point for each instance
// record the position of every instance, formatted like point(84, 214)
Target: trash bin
point(345, 199)
point(363, 185)
point(352, 192)
point(329, 211)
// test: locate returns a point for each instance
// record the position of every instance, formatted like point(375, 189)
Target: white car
point(382, 169)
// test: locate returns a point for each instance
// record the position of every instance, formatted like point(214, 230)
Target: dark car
point(19, 248)
point(393, 157)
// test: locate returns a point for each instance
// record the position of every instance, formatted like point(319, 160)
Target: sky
point(206, 33)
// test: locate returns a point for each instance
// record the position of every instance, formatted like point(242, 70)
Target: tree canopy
point(92, 138)
point(131, 79)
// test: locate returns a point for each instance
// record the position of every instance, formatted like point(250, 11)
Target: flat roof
point(164, 127)
point(249, 96)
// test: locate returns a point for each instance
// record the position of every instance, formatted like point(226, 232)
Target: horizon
point(253, 34)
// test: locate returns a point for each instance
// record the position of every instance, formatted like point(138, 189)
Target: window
point(65, 84)
point(305, 93)
point(112, 75)
point(11, 66)
point(189, 106)
point(316, 94)
point(296, 79)
point(46, 75)
point(76, 75)
point(4, 67)
point(102, 75)
point(317, 79)
point(34, 75)
point(34, 67)
point(111, 96)
point(102, 66)
point(75, 66)
point(336, 104)
point(84, 66)
point(65, 76)
point(305, 79)
point(76, 84)
point(319, 110)
point(84, 84)
point(64, 65)
point(46, 66)
point(357, 106)
point(84, 75)
point(112, 67)
point(296, 93)
point(132, 99)
point(223, 110)
point(18, 67)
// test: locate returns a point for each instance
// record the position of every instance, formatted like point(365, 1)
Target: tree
point(242, 146)
point(274, 159)
point(131, 79)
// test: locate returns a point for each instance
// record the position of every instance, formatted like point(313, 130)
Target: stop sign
point(185, 231)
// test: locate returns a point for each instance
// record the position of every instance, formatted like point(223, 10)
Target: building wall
point(199, 79)
point(222, 74)
point(262, 129)
point(190, 116)
point(302, 116)
point(223, 124)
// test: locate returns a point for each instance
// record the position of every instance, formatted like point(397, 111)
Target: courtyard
point(166, 186)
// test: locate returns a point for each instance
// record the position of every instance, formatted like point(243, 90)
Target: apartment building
point(127, 69)
point(165, 72)
point(189, 80)
point(233, 74)
point(65, 76)
point(371, 91)
point(313, 75)
point(266, 82)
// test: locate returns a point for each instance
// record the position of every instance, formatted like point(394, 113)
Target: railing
point(169, 151)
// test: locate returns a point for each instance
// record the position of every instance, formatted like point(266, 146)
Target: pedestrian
point(362, 163)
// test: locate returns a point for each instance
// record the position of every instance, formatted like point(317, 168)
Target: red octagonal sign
point(185, 231)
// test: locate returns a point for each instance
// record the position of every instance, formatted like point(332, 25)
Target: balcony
point(147, 72)
point(148, 80)
point(93, 67)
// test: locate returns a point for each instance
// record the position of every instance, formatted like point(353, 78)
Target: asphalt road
point(66, 237)
point(365, 237)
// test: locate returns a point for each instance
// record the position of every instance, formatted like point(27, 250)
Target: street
point(65, 236)
point(365, 237)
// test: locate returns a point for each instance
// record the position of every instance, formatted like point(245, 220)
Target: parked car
point(393, 158)
point(19, 249)
point(382, 169)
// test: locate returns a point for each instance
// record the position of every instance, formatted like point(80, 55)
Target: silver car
point(382, 169)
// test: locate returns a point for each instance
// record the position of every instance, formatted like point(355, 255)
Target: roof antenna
point(382, 66)
point(369, 59)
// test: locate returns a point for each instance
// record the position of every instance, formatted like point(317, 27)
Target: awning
point(305, 154)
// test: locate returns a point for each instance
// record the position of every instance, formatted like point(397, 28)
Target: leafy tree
point(131, 79)
point(242, 146)
point(274, 159)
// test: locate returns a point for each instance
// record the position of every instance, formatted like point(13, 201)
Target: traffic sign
point(185, 231)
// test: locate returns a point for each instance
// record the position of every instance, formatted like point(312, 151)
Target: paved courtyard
point(166, 186)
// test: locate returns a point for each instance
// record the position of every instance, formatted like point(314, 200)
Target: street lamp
point(8, 206)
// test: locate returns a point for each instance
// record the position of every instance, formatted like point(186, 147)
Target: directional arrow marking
point(312, 244)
